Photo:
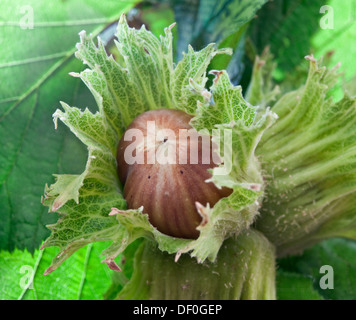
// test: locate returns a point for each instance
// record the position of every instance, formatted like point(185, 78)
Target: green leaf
point(203, 22)
point(223, 22)
point(294, 286)
point(337, 39)
point(310, 173)
point(35, 63)
point(286, 26)
point(84, 277)
point(340, 254)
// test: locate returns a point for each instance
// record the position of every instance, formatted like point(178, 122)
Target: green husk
point(244, 270)
point(309, 162)
point(91, 205)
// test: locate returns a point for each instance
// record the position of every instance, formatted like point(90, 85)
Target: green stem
point(244, 269)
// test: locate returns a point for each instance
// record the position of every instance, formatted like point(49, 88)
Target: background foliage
point(34, 67)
